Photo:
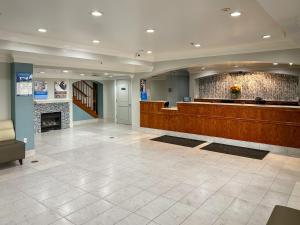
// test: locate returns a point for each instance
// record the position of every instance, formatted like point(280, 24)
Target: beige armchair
point(10, 148)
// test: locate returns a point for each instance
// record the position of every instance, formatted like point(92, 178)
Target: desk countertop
point(237, 104)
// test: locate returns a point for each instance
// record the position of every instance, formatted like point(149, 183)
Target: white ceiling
point(121, 29)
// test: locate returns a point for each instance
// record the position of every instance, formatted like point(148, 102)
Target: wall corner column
point(22, 107)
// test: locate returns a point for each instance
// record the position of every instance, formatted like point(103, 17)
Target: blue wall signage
point(40, 90)
point(23, 84)
point(143, 90)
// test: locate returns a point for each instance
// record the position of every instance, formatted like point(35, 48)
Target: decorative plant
point(235, 89)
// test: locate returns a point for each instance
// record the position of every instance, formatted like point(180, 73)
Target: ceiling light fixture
point(42, 30)
point(149, 52)
point(203, 68)
point(106, 74)
point(42, 72)
point(291, 63)
point(266, 36)
point(65, 71)
point(197, 45)
point(96, 41)
point(275, 63)
point(235, 14)
point(235, 66)
point(150, 31)
point(96, 13)
point(110, 76)
point(82, 74)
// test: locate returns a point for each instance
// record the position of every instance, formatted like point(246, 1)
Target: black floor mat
point(178, 141)
point(234, 150)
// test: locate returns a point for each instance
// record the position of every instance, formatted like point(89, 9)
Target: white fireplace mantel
point(46, 101)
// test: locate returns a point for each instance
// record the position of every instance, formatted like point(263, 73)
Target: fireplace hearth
point(50, 121)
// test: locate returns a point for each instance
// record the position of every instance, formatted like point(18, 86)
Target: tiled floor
point(109, 174)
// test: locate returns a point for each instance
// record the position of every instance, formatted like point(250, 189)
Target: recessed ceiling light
point(291, 63)
point(235, 14)
point(266, 36)
point(96, 13)
point(197, 45)
point(235, 66)
point(150, 31)
point(96, 41)
point(42, 30)
point(149, 52)
point(42, 72)
point(106, 74)
point(275, 63)
point(82, 74)
point(203, 68)
point(65, 71)
point(110, 76)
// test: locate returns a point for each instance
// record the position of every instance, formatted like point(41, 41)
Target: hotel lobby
point(149, 112)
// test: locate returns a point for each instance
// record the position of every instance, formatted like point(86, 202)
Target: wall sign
point(143, 90)
point(40, 90)
point(23, 84)
point(60, 89)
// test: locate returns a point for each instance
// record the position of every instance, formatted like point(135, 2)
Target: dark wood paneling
point(261, 124)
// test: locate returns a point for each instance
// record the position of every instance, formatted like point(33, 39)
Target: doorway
point(123, 100)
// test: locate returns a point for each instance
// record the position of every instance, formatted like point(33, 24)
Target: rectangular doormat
point(235, 150)
point(178, 141)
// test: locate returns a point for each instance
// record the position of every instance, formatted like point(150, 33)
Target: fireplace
point(50, 121)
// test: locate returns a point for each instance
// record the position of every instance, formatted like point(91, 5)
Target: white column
point(135, 101)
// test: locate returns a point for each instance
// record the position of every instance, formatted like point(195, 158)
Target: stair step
point(85, 108)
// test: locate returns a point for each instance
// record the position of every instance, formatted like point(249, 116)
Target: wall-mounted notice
point(143, 90)
point(23, 84)
point(40, 89)
point(60, 89)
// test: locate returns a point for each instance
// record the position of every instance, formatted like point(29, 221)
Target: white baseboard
point(76, 123)
point(294, 152)
point(29, 153)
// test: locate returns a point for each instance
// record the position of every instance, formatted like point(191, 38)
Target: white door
point(123, 102)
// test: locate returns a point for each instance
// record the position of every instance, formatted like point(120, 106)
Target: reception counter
point(268, 124)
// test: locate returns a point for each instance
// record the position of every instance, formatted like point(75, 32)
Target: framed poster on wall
point(23, 84)
point(143, 90)
point(40, 89)
point(60, 89)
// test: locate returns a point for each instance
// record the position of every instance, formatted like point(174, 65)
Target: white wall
point(5, 96)
point(109, 100)
point(135, 101)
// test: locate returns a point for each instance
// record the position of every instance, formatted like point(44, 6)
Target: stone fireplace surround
point(49, 107)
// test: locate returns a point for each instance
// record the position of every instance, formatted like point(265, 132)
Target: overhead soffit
point(121, 30)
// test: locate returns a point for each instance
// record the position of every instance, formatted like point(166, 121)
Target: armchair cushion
point(7, 131)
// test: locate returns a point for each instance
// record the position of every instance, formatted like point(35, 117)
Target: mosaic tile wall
point(266, 85)
point(64, 108)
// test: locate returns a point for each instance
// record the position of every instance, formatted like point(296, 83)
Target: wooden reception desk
point(268, 124)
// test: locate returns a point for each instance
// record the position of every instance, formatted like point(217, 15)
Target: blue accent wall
point(22, 107)
point(79, 114)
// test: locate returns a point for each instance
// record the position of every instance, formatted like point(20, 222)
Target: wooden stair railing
point(85, 97)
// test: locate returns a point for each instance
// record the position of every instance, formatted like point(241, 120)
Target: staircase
point(85, 97)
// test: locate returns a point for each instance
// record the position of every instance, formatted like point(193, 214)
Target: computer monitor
point(187, 99)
